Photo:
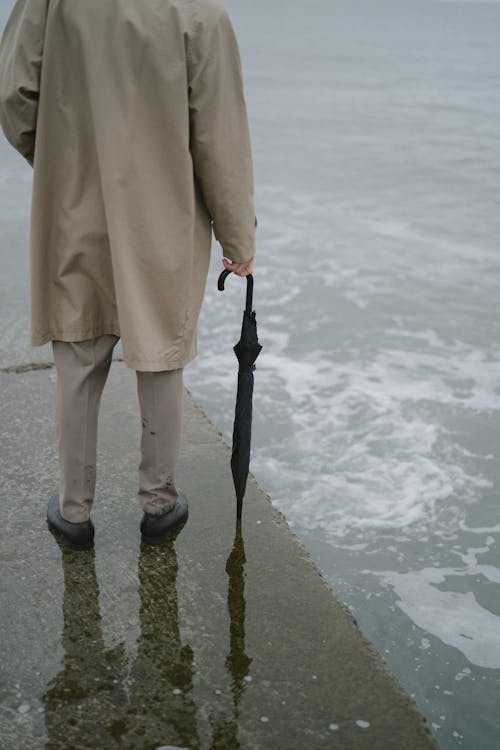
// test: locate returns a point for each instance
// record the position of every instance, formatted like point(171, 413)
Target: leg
point(160, 399)
point(82, 368)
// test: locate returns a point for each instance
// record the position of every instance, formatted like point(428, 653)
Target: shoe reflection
point(96, 701)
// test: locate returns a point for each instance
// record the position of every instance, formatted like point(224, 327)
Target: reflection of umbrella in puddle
point(247, 350)
point(237, 663)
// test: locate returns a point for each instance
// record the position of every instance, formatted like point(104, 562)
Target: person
point(134, 120)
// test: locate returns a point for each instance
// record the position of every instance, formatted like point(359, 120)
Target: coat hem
point(75, 334)
point(158, 365)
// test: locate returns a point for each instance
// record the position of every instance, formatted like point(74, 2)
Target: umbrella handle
point(249, 278)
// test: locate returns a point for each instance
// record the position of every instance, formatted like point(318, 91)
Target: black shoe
point(79, 536)
point(157, 528)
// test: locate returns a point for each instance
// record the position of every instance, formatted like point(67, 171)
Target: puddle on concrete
point(219, 640)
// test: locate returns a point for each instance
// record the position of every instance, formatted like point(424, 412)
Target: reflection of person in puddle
point(94, 701)
point(162, 674)
point(84, 703)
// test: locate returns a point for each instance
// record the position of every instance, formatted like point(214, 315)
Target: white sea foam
point(481, 529)
point(363, 453)
point(456, 618)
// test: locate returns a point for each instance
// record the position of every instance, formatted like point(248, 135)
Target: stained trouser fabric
point(82, 369)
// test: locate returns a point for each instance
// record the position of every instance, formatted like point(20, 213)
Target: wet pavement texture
point(220, 639)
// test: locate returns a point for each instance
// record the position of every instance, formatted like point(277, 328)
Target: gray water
point(375, 128)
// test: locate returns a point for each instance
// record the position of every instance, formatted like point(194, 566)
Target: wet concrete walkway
point(217, 641)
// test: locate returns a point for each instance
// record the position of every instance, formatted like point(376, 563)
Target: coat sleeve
point(21, 49)
point(219, 134)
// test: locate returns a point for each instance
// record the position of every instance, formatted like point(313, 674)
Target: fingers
point(239, 269)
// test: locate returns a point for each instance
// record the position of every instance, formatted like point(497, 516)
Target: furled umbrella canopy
point(247, 350)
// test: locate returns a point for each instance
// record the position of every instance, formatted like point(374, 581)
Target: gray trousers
point(82, 369)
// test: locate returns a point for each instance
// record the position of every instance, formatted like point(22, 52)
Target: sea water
point(376, 136)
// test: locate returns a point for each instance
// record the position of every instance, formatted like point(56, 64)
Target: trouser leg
point(160, 399)
point(82, 369)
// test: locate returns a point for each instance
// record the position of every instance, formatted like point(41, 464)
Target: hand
point(240, 269)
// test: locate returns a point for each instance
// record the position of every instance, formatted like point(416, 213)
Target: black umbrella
point(247, 350)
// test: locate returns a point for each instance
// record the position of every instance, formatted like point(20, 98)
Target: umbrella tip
point(239, 509)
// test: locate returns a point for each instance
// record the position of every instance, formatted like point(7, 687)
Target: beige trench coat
point(133, 117)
